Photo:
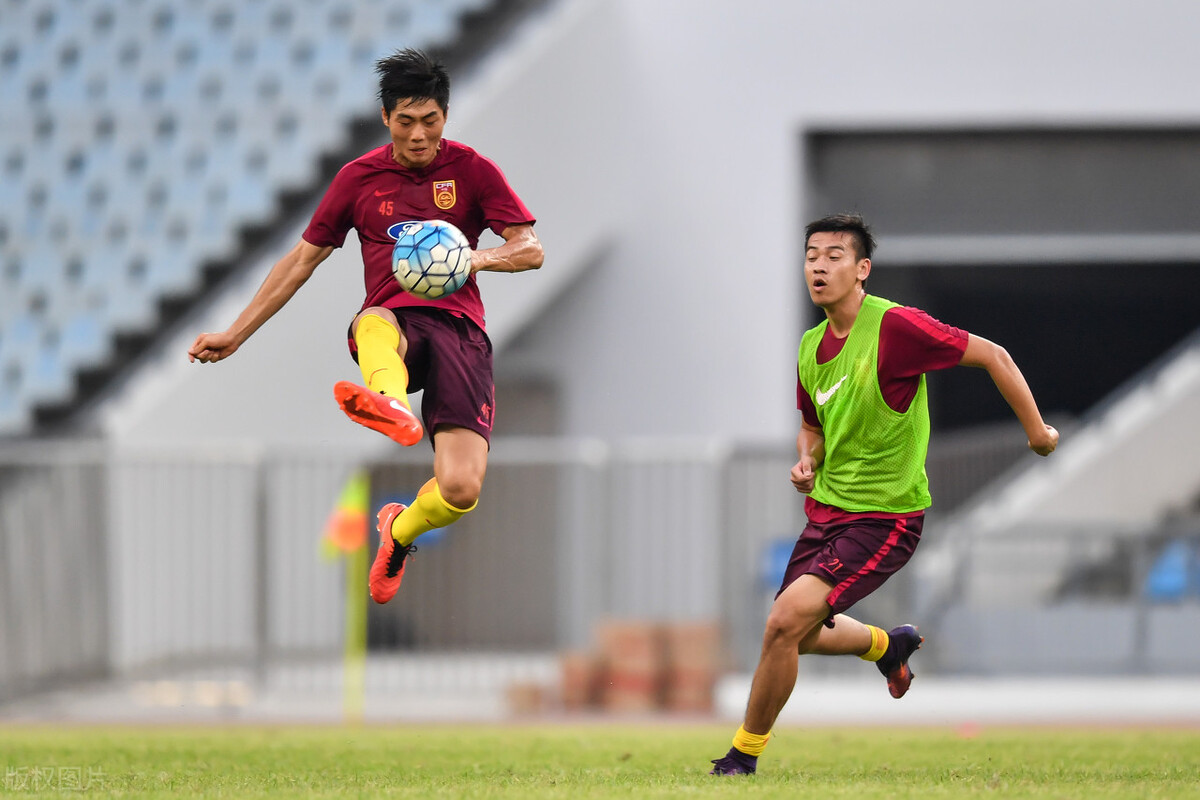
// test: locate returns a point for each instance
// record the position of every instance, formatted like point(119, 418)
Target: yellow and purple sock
point(382, 367)
point(879, 644)
point(752, 744)
point(430, 510)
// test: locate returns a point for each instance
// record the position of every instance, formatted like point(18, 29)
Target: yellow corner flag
point(346, 534)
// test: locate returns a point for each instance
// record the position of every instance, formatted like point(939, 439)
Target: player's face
point(832, 268)
point(416, 128)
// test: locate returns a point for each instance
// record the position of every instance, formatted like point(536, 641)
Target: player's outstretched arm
point(521, 250)
point(1008, 379)
point(288, 275)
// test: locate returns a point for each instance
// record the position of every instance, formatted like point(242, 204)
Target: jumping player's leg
point(451, 361)
point(460, 460)
point(459, 464)
point(381, 347)
point(383, 405)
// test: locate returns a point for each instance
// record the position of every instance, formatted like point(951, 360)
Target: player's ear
point(383, 112)
point(864, 268)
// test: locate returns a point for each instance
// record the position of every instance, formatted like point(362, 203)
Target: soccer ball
point(431, 258)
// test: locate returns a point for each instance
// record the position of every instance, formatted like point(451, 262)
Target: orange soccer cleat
point(378, 412)
point(388, 569)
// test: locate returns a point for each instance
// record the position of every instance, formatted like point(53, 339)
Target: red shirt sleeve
point(912, 343)
point(804, 402)
point(500, 205)
point(334, 217)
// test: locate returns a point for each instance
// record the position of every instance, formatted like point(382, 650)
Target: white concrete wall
point(658, 142)
point(689, 324)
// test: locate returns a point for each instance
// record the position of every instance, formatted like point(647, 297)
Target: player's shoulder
point(814, 333)
point(910, 315)
point(463, 155)
point(915, 322)
point(452, 149)
point(374, 159)
point(899, 312)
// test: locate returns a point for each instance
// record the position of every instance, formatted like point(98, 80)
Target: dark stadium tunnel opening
point(1078, 331)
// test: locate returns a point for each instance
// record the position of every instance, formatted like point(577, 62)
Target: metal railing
point(138, 562)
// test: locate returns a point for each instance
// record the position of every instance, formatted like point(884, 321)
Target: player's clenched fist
point(212, 347)
point(803, 475)
point(1045, 445)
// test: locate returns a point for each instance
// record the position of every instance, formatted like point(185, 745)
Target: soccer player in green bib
point(862, 444)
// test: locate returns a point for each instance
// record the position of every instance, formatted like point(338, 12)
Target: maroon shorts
point(855, 556)
point(449, 359)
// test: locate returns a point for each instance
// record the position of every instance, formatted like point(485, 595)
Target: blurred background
point(185, 542)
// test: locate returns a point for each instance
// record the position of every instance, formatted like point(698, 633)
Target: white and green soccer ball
point(431, 258)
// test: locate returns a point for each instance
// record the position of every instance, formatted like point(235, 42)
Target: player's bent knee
point(377, 311)
point(789, 624)
point(461, 492)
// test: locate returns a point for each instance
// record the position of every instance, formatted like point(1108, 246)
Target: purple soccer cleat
point(735, 762)
point(902, 643)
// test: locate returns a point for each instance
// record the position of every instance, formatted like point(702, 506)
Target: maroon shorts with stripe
point(449, 359)
point(856, 556)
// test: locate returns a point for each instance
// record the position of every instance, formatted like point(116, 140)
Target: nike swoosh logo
point(396, 405)
point(823, 397)
point(381, 194)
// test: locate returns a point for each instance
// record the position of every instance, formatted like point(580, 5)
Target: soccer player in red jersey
point(862, 445)
point(403, 343)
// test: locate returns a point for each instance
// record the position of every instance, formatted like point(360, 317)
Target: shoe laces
point(396, 559)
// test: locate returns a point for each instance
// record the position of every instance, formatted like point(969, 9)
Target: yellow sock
point(430, 510)
point(879, 644)
point(382, 367)
point(752, 744)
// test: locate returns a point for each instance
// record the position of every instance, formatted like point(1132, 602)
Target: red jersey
point(374, 195)
point(911, 343)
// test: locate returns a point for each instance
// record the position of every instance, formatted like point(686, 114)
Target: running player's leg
point(848, 636)
point(831, 568)
point(869, 552)
point(797, 610)
point(889, 650)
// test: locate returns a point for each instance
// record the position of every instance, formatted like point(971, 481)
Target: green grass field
point(592, 761)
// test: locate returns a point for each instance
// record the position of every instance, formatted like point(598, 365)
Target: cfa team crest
point(444, 194)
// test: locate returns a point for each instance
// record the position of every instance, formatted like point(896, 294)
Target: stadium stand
point(152, 136)
point(1085, 526)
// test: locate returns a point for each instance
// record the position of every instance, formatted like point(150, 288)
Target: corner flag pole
point(346, 535)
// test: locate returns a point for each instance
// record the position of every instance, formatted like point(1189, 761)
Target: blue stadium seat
point(194, 125)
point(1173, 575)
point(85, 340)
point(14, 411)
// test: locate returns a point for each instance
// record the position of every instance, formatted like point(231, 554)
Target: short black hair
point(412, 75)
point(853, 224)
